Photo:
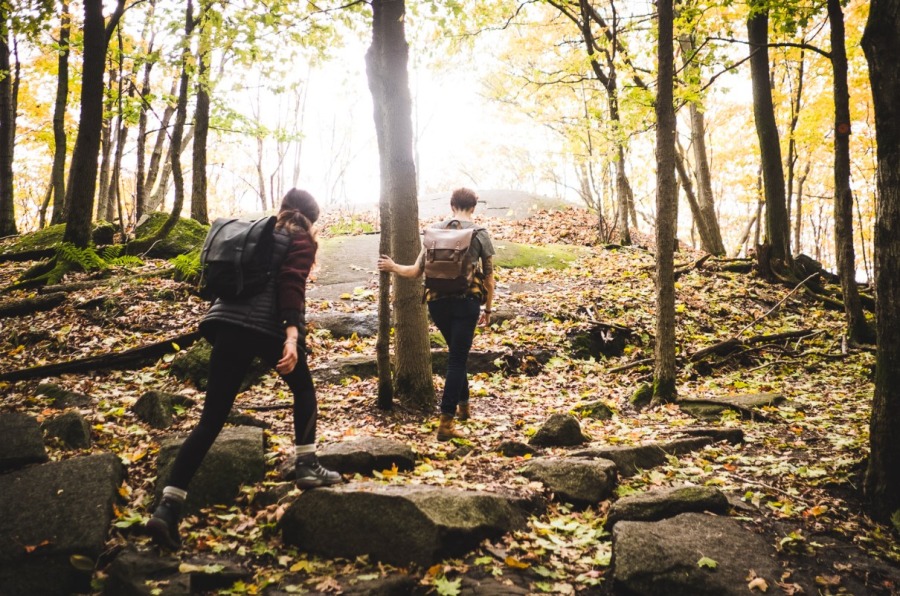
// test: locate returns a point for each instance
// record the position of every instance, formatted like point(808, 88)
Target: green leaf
point(707, 562)
point(446, 587)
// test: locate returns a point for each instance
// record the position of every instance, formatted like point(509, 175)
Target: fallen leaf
point(758, 583)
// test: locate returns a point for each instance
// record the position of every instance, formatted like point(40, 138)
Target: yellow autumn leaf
point(515, 563)
point(392, 473)
point(758, 583)
point(301, 566)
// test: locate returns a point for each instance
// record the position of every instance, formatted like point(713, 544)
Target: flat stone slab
point(667, 502)
point(576, 480)
point(397, 524)
point(236, 458)
point(50, 513)
point(743, 404)
point(22, 441)
point(345, 324)
point(629, 459)
point(367, 454)
point(664, 557)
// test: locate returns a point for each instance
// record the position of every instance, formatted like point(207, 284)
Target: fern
point(85, 259)
point(187, 266)
point(125, 261)
point(112, 252)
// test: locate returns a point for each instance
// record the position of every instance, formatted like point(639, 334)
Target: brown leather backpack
point(448, 268)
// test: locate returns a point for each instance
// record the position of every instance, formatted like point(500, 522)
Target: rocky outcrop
point(560, 430)
point(70, 428)
point(22, 442)
point(631, 458)
point(579, 481)
point(667, 502)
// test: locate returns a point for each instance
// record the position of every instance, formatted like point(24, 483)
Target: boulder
point(53, 514)
point(596, 410)
point(664, 557)
point(346, 324)
point(579, 481)
point(599, 340)
point(666, 502)
point(629, 459)
point(70, 428)
point(397, 524)
point(131, 570)
point(560, 430)
point(192, 365)
point(515, 449)
point(154, 408)
point(367, 454)
point(22, 443)
point(735, 436)
point(63, 398)
point(742, 404)
point(236, 458)
point(187, 235)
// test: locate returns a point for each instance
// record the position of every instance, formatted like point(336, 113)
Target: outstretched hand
point(386, 263)
point(289, 358)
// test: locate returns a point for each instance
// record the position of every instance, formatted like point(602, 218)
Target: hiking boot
point(462, 411)
point(445, 429)
point(309, 473)
point(163, 526)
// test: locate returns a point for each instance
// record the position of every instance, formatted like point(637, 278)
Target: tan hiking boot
point(462, 411)
point(445, 429)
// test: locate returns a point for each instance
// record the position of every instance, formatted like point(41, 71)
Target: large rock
point(131, 572)
point(187, 235)
point(192, 365)
point(652, 558)
point(560, 430)
point(575, 480)
point(397, 524)
point(70, 428)
point(367, 454)
point(157, 408)
point(346, 324)
point(742, 404)
point(22, 442)
point(630, 459)
point(236, 458)
point(63, 398)
point(666, 502)
point(50, 514)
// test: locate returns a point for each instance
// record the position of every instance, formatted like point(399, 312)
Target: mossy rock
point(642, 396)
point(50, 237)
point(550, 256)
point(187, 235)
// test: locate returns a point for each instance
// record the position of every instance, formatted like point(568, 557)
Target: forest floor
point(798, 473)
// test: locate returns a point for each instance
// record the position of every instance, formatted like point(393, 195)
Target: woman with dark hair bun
point(272, 326)
point(457, 315)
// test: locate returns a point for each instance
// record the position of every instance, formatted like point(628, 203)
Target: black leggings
point(232, 353)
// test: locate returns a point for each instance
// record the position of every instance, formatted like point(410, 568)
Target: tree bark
point(383, 343)
point(777, 229)
point(664, 388)
point(156, 156)
point(83, 172)
point(58, 170)
point(7, 130)
point(386, 68)
point(792, 145)
point(140, 177)
point(881, 44)
point(857, 329)
point(201, 123)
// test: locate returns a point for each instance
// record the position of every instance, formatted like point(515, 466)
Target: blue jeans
point(456, 318)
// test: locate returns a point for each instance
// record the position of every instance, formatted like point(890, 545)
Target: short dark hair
point(463, 199)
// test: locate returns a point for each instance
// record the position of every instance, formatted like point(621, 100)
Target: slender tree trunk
point(386, 67)
point(201, 122)
point(7, 130)
point(857, 329)
point(664, 389)
point(140, 177)
point(777, 229)
point(158, 200)
point(58, 170)
point(83, 172)
point(798, 216)
point(156, 156)
point(110, 123)
point(792, 139)
point(881, 43)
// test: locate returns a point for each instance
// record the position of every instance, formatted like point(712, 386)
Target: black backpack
point(236, 260)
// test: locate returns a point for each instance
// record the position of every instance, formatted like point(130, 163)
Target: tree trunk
point(881, 43)
point(857, 329)
point(383, 343)
point(156, 156)
point(140, 177)
point(792, 142)
point(664, 389)
point(106, 148)
point(777, 229)
point(83, 172)
point(201, 123)
point(798, 216)
point(386, 68)
point(58, 170)
point(7, 131)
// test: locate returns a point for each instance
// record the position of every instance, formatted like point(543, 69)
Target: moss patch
point(187, 235)
point(551, 256)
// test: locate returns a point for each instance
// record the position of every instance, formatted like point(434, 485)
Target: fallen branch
point(779, 303)
point(27, 306)
point(770, 487)
point(93, 283)
point(631, 365)
point(106, 361)
point(753, 414)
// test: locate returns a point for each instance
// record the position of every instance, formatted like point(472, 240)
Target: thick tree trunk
point(383, 343)
point(58, 171)
point(7, 130)
point(386, 67)
point(777, 228)
point(83, 173)
point(201, 124)
point(664, 389)
point(881, 43)
point(857, 328)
